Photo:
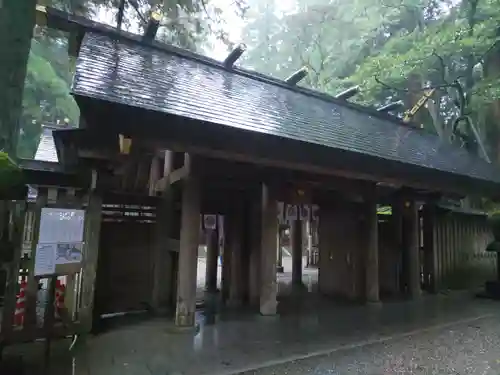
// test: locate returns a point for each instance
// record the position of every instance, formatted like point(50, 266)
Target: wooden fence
point(453, 252)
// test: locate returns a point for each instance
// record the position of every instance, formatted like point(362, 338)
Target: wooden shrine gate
point(124, 274)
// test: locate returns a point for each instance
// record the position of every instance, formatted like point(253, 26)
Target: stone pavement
point(246, 342)
point(467, 347)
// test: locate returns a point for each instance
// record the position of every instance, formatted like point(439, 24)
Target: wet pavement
point(470, 347)
point(322, 338)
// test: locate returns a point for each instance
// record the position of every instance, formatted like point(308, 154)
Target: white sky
point(219, 51)
point(233, 23)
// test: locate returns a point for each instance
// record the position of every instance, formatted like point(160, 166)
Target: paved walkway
point(465, 348)
point(245, 342)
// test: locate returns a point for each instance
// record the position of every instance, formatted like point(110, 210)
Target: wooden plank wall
point(459, 257)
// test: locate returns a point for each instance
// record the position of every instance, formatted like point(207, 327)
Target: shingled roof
point(165, 81)
point(46, 150)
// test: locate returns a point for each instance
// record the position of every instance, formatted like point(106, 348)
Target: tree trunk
point(17, 19)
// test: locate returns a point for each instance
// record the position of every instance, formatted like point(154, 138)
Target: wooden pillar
point(11, 282)
point(91, 239)
point(371, 261)
point(226, 263)
point(429, 248)
point(246, 252)
point(162, 262)
point(397, 234)
point(154, 175)
point(162, 259)
point(31, 291)
point(269, 230)
point(212, 241)
point(235, 243)
point(411, 247)
point(279, 267)
point(309, 242)
point(188, 253)
point(254, 231)
point(296, 252)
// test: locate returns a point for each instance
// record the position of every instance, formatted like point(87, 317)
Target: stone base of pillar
point(184, 317)
point(269, 308)
point(268, 302)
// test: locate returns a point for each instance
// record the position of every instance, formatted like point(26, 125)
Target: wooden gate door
point(124, 277)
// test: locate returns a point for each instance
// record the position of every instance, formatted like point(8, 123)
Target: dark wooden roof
point(126, 73)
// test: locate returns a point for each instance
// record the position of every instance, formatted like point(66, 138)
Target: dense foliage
point(393, 49)
point(10, 175)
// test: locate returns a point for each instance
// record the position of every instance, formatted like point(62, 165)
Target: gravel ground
point(466, 348)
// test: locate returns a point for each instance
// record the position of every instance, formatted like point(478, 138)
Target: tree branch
point(425, 88)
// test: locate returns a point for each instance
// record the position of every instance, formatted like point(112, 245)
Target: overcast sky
point(219, 51)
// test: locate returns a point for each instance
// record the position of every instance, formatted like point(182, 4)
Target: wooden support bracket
point(172, 178)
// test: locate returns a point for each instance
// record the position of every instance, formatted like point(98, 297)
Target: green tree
point(394, 50)
point(16, 27)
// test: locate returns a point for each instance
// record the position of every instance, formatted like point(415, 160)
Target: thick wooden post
point(429, 248)
point(372, 268)
point(162, 260)
point(297, 252)
point(269, 230)
point(162, 266)
point(411, 232)
point(226, 263)
point(279, 266)
point(254, 228)
point(212, 240)
point(31, 292)
point(13, 269)
point(397, 233)
point(91, 237)
point(188, 254)
point(234, 237)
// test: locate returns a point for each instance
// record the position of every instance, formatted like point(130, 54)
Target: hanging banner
point(210, 221)
point(291, 213)
point(305, 212)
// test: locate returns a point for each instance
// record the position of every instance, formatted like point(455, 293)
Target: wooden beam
point(97, 154)
point(171, 178)
point(197, 151)
point(142, 175)
point(154, 174)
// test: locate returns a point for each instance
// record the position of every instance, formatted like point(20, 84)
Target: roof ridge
point(89, 25)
